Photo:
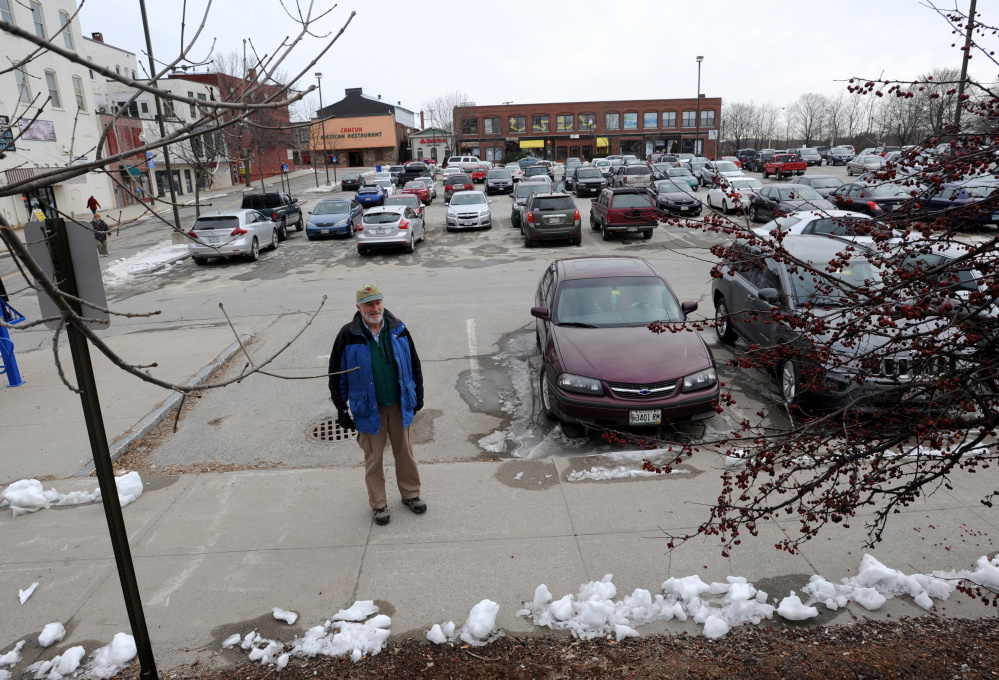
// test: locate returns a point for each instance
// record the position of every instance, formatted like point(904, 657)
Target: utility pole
point(322, 119)
point(159, 117)
point(964, 63)
point(697, 121)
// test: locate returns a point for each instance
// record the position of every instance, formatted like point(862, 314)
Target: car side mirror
point(294, 200)
point(688, 307)
point(540, 313)
point(770, 296)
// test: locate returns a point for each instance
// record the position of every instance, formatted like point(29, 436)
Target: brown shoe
point(382, 516)
point(415, 504)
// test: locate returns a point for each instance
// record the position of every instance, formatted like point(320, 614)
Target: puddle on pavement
point(423, 425)
point(631, 461)
point(530, 475)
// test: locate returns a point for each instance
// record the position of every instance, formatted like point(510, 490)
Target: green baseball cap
point(368, 293)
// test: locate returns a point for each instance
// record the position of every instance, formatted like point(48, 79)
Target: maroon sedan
point(418, 189)
point(602, 365)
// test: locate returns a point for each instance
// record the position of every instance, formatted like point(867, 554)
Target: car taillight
point(404, 224)
point(359, 227)
point(872, 205)
point(576, 217)
point(192, 234)
point(274, 216)
point(238, 231)
point(530, 217)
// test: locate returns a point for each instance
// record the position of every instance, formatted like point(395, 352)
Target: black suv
point(587, 180)
point(746, 156)
point(550, 217)
point(278, 207)
point(411, 172)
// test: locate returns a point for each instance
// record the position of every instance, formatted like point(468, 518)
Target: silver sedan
point(862, 164)
point(231, 233)
point(390, 226)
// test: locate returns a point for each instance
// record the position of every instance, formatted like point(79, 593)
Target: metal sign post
point(62, 261)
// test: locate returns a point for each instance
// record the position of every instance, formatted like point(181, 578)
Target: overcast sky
point(574, 50)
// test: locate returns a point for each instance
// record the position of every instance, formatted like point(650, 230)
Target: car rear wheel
point(274, 240)
point(849, 171)
point(723, 322)
point(578, 239)
point(604, 233)
point(301, 223)
point(766, 175)
point(200, 261)
point(254, 250)
point(725, 209)
point(710, 205)
point(594, 225)
point(647, 234)
point(283, 231)
point(753, 216)
point(410, 246)
point(790, 383)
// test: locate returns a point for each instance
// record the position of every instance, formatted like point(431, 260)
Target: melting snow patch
point(286, 616)
point(440, 633)
point(13, 657)
point(358, 611)
point(600, 474)
point(232, 641)
point(119, 272)
point(494, 443)
point(792, 609)
point(27, 495)
point(518, 475)
point(480, 628)
point(111, 658)
point(65, 664)
point(23, 595)
point(51, 633)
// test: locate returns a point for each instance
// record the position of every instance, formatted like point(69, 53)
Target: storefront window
point(561, 153)
point(650, 120)
point(587, 122)
point(612, 121)
point(564, 122)
point(631, 121)
point(669, 119)
point(518, 124)
point(539, 124)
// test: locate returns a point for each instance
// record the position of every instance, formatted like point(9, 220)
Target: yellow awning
point(602, 141)
point(532, 144)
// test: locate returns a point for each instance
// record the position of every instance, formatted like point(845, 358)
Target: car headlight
point(700, 380)
point(311, 224)
point(580, 385)
point(342, 223)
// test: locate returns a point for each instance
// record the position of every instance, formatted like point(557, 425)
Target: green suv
point(550, 216)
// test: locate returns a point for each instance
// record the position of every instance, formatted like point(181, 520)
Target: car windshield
point(799, 193)
point(825, 182)
point(888, 191)
point(415, 185)
point(216, 223)
point(382, 218)
point(409, 201)
point(667, 187)
point(642, 200)
point(397, 168)
point(679, 172)
point(553, 203)
point(351, 178)
point(638, 170)
point(368, 190)
point(536, 170)
point(468, 199)
point(726, 166)
point(810, 152)
point(386, 183)
point(845, 226)
point(616, 301)
point(834, 289)
point(601, 163)
point(969, 192)
point(589, 172)
point(459, 179)
point(840, 150)
point(331, 208)
point(871, 159)
point(498, 174)
point(525, 190)
point(746, 184)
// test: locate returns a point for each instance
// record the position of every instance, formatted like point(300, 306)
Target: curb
point(158, 415)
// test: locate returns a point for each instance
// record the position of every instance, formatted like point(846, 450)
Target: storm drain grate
point(329, 431)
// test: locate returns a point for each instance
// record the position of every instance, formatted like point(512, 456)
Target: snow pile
point(792, 609)
point(119, 272)
point(494, 443)
point(350, 631)
point(286, 616)
point(986, 575)
point(51, 633)
point(27, 495)
point(13, 657)
point(111, 658)
point(65, 664)
point(321, 189)
point(600, 474)
point(23, 595)
point(479, 628)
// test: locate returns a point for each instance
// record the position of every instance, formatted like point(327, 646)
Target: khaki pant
point(102, 247)
point(373, 446)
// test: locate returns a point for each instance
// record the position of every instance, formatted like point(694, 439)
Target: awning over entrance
point(603, 142)
point(532, 144)
point(132, 170)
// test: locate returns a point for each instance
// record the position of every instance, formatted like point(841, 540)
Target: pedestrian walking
point(101, 231)
point(93, 205)
point(383, 395)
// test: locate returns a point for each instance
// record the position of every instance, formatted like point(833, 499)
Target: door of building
point(355, 159)
point(40, 200)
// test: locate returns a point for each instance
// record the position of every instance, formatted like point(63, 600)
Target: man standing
point(101, 231)
point(383, 395)
point(93, 205)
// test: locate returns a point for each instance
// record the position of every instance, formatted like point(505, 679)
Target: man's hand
point(344, 420)
point(419, 404)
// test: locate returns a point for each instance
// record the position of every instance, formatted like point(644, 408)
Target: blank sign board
point(86, 268)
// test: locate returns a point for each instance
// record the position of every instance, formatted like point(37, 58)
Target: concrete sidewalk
point(215, 553)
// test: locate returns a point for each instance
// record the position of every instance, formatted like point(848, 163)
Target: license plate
point(213, 239)
point(555, 220)
point(995, 217)
point(683, 207)
point(632, 228)
point(467, 223)
point(325, 231)
point(645, 417)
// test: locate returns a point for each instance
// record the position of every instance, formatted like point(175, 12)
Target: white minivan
point(464, 162)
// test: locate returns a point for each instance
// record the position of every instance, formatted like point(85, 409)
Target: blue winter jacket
point(357, 388)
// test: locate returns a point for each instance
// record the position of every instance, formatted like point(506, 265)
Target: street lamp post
point(326, 156)
point(697, 122)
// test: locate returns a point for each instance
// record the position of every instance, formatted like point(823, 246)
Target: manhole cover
point(329, 431)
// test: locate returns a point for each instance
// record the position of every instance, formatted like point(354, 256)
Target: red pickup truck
point(784, 164)
point(623, 209)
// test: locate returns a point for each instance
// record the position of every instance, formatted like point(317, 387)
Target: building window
point(669, 119)
point(168, 111)
point(491, 125)
point(133, 110)
point(707, 119)
point(36, 17)
point(5, 12)
point(91, 72)
point(561, 153)
point(78, 91)
point(469, 126)
point(194, 111)
point(50, 81)
point(518, 124)
point(539, 123)
point(631, 121)
point(117, 69)
point(187, 180)
point(202, 97)
point(23, 88)
point(67, 32)
point(565, 122)
point(145, 107)
point(650, 120)
point(612, 121)
point(133, 74)
point(689, 118)
point(587, 122)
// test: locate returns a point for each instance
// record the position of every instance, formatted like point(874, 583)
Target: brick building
point(588, 129)
point(360, 130)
